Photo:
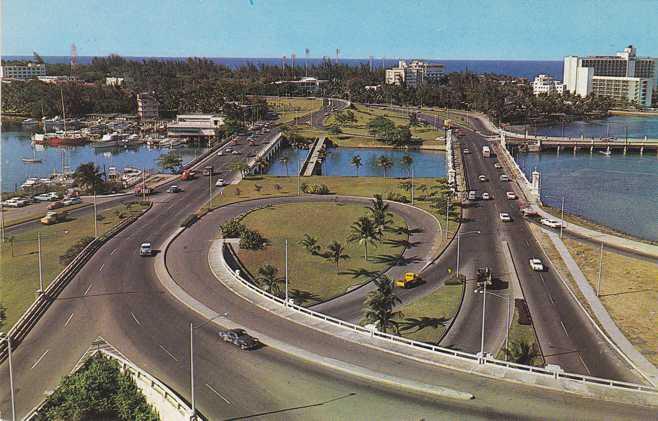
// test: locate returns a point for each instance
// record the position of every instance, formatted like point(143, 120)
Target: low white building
point(114, 81)
point(195, 126)
point(414, 74)
point(23, 72)
point(544, 84)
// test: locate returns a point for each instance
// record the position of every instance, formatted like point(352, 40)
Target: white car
point(145, 249)
point(510, 195)
point(220, 182)
point(486, 196)
point(504, 177)
point(16, 202)
point(466, 151)
point(536, 265)
point(505, 217)
point(46, 197)
point(71, 201)
point(472, 195)
point(498, 166)
point(482, 177)
point(550, 223)
point(236, 152)
point(220, 153)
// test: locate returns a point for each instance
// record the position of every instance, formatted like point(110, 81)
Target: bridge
point(314, 158)
point(575, 144)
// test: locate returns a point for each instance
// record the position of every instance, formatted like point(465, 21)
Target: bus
point(486, 151)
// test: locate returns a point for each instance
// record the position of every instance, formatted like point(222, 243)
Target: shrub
point(277, 187)
point(74, 250)
point(251, 240)
point(316, 189)
point(232, 228)
point(397, 197)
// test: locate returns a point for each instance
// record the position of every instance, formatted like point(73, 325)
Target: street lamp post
point(286, 273)
point(598, 283)
point(507, 318)
point(562, 217)
point(11, 375)
point(412, 185)
point(484, 306)
point(299, 177)
point(40, 291)
point(95, 217)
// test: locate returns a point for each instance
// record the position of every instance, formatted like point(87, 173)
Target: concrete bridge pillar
point(575, 148)
point(641, 150)
point(625, 150)
point(558, 149)
point(536, 182)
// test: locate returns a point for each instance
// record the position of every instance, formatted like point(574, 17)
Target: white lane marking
point(584, 365)
point(88, 288)
point(68, 320)
point(169, 353)
point(101, 268)
point(40, 358)
point(135, 318)
point(218, 394)
point(564, 328)
point(113, 251)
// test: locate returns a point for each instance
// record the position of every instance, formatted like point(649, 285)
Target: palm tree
point(311, 244)
point(268, 280)
point(381, 217)
point(364, 232)
point(521, 352)
point(380, 303)
point(87, 176)
point(384, 162)
point(336, 253)
point(261, 165)
point(284, 160)
point(407, 161)
point(356, 162)
point(240, 166)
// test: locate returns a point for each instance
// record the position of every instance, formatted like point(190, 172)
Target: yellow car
point(410, 279)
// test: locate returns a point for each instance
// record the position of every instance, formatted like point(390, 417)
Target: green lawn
point(427, 319)
point(19, 262)
point(291, 108)
point(315, 276)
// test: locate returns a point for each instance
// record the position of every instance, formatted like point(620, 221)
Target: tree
point(413, 119)
point(380, 303)
point(311, 244)
point(379, 126)
point(88, 177)
point(336, 252)
point(3, 315)
point(356, 162)
point(170, 161)
point(261, 165)
point(381, 217)
point(521, 352)
point(364, 232)
point(284, 160)
point(268, 280)
point(384, 162)
point(407, 161)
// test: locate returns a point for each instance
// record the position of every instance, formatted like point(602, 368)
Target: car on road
point(220, 182)
point(486, 196)
point(498, 166)
point(236, 152)
point(228, 150)
point(56, 205)
point(69, 201)
point(472, 195)
point(482, 177)
point(536, 265)
point(505, 217)
point(47, 197)
point(220, 153)
point(504, 177)
point(410, 279)
point(145, 249)
point(53, 217)
point(529, 212)
point(550, 222)
point(466, 151)
point(174, 189)
point(510, 195)
point(240, 338)
point(16, 202)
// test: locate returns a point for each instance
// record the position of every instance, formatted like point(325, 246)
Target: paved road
point(117, 296)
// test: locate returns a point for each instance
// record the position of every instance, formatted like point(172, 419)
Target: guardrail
point(438, 349)
point(32, 315)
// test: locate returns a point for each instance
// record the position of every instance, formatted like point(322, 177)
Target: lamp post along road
point(412, 185)
point(562, 217)
point(11, 375)
point(484, 306)
point(598, 283)
point(95, 217)
point(40, 291)
point(286, 273)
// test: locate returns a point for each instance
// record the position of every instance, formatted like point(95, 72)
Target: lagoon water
point(616, 126)
point(17, 145)
point(426, 164)
point(618, 191)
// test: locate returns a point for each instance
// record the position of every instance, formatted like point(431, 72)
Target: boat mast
point(61, 92)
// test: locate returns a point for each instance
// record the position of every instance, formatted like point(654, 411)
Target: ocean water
point(617, 191)
point(614, 126)
point(518, 68)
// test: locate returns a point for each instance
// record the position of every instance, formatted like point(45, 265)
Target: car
point(47, 197)
point(236, 152)
point(498, 166)
point(228, 150)
point(174, 189)
point(505, 217)
point(510, 195)
point(71, 201)
point(529, 212)
point(56, 205)
point(485, 196)
point(472, 195)
point(220, 182)
point(482, 177)
point(536, 265)
point(220, 153)
point(16, 202)
point(466, 151)
point(550, 222)
point(410, 279)
point(504, 177)
point(240, 338)
point(145, 249)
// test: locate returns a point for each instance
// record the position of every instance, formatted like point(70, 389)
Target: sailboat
point(607, 152)
point(34, 159)
point(65, 138)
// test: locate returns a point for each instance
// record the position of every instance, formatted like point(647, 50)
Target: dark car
point(174, 189)
point(239, 337)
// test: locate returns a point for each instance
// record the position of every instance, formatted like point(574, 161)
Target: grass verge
point(19, 278)
point(291, 108)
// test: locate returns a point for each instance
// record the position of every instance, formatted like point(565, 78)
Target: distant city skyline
point(503, 29)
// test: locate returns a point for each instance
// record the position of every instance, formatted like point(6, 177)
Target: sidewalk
point(635, 358)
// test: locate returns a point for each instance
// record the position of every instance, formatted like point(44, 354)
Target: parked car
point(536, 265)
point(47, 197)
point(510, 195)
point(228, 150)
point(174, 189)
point(145, 249)
point(16, 202)
point(240, 338)
point(505, 217)
point(220, 182)
point(236, 152)
point(56, 205)
point(482, 177)
point(71, 201)
point(485, 196)
point(550, 222)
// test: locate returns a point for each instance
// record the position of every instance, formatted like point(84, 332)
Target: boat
point(60, 138)
point(607, 152)
point(133, 139)
point(33, 160)
point(109, 140)
point(29, 122)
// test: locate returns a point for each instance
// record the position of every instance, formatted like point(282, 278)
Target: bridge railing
point(435, 348)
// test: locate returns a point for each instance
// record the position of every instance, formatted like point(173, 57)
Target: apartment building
point(23, 72)
point(414, 74)
point(148, 107)
point(544, 84)
point(624, 76)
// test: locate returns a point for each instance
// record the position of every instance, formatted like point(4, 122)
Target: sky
point(438, 29)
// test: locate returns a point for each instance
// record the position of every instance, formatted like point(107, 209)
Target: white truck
point(486, 151)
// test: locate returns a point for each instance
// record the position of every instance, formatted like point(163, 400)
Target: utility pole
point(143, 185)
point(192, 370)
point(95, 216)
point(40, 291)
point(299, 177)
point(210, 191)
point(484, 305)
point(562, 217)
point(447, 215)
point(286, 273)
point(412, 185)
point(2, 223)
point(598, 283)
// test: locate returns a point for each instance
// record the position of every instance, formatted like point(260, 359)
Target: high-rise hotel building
point(624, 76)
